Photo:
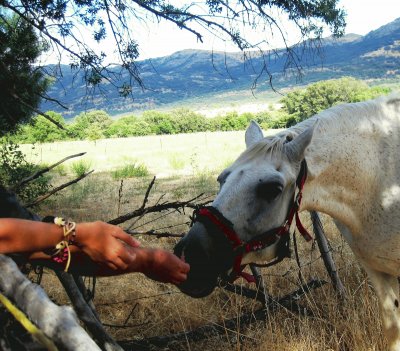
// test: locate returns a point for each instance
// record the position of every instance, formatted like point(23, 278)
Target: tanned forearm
point(31, 236)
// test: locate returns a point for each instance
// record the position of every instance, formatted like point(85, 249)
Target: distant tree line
point(297, 105)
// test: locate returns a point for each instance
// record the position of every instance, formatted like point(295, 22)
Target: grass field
point(163, 155)
point(135, 307)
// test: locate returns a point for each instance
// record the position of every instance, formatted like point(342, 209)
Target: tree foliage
point(14, 168)
point(22, 85)
point(128, 126)
point(41, 130)
point(91, 125)
point(304, 103)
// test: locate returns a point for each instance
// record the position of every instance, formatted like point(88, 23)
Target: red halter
point(263, 240)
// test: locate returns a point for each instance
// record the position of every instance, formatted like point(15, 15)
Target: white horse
point(352, 153)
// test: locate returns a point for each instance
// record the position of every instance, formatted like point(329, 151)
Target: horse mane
point(266, 146)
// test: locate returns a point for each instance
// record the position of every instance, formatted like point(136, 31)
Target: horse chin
point(198, 287)
point(196, 292)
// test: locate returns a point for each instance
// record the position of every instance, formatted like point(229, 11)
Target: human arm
point(103, 243)
point(102, 249)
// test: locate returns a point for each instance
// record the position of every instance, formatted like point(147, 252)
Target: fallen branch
point(44, 170)
point(58, 322)
point(156, 234)
point(177, 205)
point(57, 189)
point(146, 196)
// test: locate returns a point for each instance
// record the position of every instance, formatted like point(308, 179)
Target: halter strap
point(262, 241)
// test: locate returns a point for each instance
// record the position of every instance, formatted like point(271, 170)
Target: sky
point(162, 39)
point(363, 16)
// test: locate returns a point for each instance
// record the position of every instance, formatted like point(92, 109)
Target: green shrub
point(41, 130)
point(81, 167)
point(61, 170)
point(131, 171)
point(281, 120)
point(90, 125)
point(177, 162)
point(14, 168)
point(304, 103)
point(187, 121)
point(231, 121)
point(160, 122)
point(128, 126)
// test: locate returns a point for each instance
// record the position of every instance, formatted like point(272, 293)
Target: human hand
point(106, 244)
point(165, 267)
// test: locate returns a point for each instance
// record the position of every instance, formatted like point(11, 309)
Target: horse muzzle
point(202, 253)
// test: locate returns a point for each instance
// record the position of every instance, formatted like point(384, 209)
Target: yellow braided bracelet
point(62, 252)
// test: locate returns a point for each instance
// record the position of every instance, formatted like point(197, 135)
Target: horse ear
point(295, 149)
point(253, 134)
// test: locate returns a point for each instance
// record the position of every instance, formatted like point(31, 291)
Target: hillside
point(193, 74)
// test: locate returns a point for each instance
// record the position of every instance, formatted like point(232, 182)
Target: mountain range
point(198, 74)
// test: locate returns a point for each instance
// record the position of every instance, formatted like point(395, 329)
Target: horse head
point(256, 193)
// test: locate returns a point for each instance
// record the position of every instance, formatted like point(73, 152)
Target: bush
point(91, 125)
point(131, 171)
point(160, 122)
point(281, 120)
point(81, 167)
point(231, 121)
point(187, 121)
point(177, 162)
point(304, 103)
point(41, 130)
point(128, 126)
point(14, 168)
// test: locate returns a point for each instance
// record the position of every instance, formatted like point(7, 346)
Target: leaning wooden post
point(86, 294)
point(260, 284)
point(86, 314)
point(59, 323)
point(327, 255)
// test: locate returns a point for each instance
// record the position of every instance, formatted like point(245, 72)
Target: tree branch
point(177, 205)
point(44, 170)
point(34, 109)
point(57, 189)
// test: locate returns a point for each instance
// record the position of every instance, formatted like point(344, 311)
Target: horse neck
point(341, 166)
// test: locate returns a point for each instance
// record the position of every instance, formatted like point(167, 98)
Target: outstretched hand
point(165, 267)
point(116, 252)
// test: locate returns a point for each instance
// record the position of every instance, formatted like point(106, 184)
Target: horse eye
point(269, 191)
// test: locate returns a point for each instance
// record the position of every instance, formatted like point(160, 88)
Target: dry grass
point(151, 309)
